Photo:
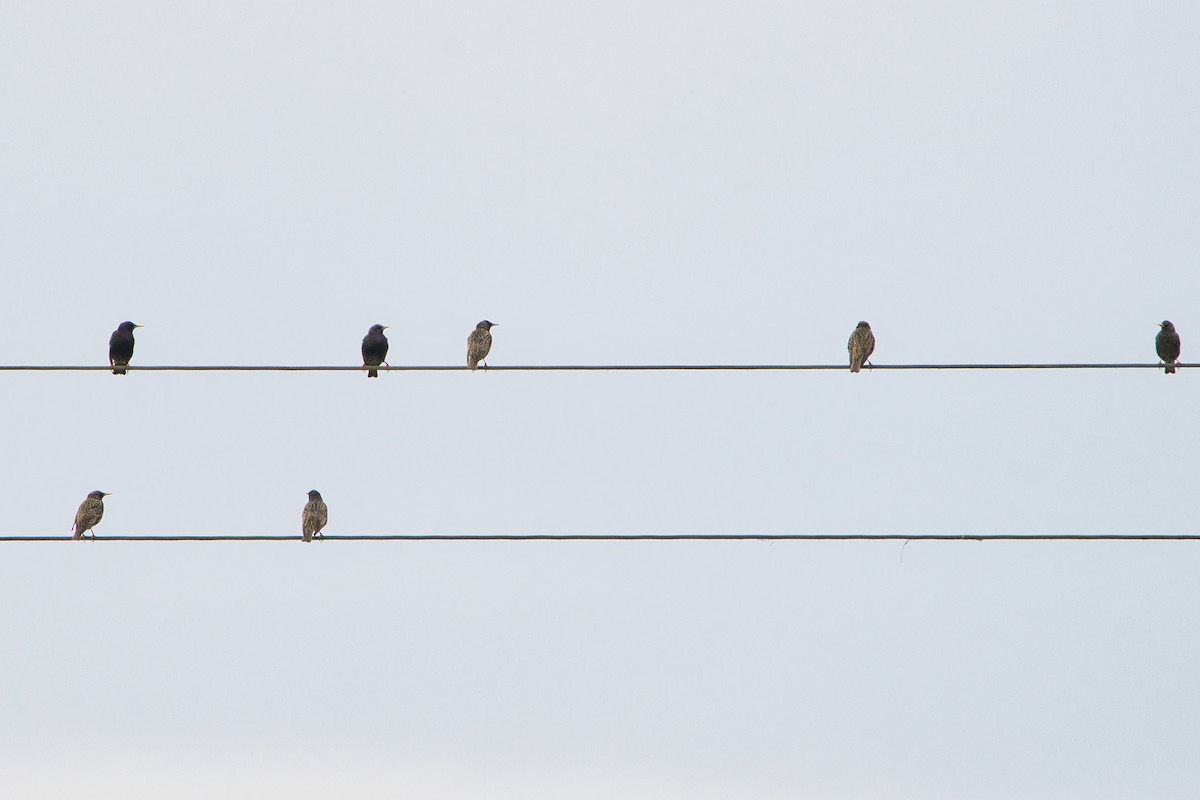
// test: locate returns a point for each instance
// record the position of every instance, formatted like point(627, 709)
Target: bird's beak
point(139, 326)
point(385, 327)
point(1161, 325)
point(108, 494)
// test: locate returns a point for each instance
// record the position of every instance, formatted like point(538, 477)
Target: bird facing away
point(1167, 344)
point(479, 343)
point(120, 347)
point(861, 345)
point(374, 350)
point(316, 514)
point(90, 512)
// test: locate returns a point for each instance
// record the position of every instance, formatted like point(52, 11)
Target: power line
point(656, 537)
point(570, 367)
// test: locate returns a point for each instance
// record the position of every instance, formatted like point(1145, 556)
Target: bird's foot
point(387, 366)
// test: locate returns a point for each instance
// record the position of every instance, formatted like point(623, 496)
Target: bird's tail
point(308, 536)
point(374, 373)
point(119, 371)
point(472, 363)
point(1169, 369)
point(855, 365)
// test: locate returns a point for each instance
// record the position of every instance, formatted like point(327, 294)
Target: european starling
point(316, 514)
point(374, 349)
point(861, 345)
point(120, 347)
point(1167, 344)
point(478, 344)
point(90, 512)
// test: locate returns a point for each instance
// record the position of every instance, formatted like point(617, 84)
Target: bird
point(90, 512)
point(478, 344)
point(861, 345)
point(374, 350)
point(1167, 344)
point(315, 515)
point(120, 347)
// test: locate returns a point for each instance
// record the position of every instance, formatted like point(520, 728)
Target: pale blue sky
point(611, 182)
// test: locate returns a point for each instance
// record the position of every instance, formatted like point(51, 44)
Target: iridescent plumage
point(861, 345)
point(479, 344)
point(90, 512)
point(375, 349)
point(1167, 345)
point(120, 347)
point(315, 515)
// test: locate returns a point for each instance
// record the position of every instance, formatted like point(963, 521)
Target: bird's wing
point(479, 343)
point(1167, 346)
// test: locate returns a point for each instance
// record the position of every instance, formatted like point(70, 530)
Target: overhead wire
point(640, 537)
point(573, 367)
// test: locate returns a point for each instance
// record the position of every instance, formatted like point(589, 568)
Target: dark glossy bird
point(315, 515)
point(861, 345)
point(374, 349)
point(120, 347)
point(90, 512)
point(1167, 344)
point(479, 343)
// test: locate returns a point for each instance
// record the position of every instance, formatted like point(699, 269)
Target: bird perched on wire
point(120, 347)
point(861, 345)
point(479, 343)
point(315, 515)
point(90, 512)
point(1167, 344)
point(374, 350)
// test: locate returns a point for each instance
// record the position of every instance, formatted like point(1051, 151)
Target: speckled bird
point(1167, 344)
point(374, 350)
point(316, 514)
point(120, 347)
point(861, 345)
point(479, 343)
point(90, 512)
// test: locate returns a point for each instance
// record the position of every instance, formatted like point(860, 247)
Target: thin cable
point(639, 537)
point(570, 367)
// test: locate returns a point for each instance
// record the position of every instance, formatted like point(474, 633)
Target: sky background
point(611, 182)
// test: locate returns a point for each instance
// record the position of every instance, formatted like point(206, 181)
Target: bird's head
point(379, 328)
point(127, 326)
point(864, 325)
point(313, 494)
point(99, 495)
point(1167, 325)
point(487, 326)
